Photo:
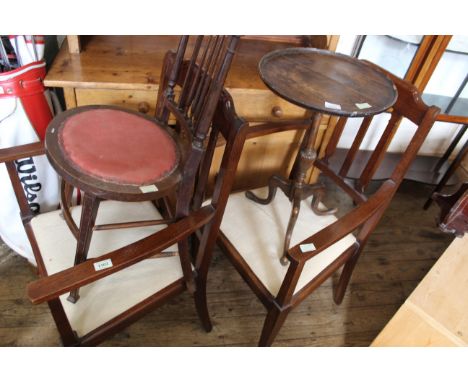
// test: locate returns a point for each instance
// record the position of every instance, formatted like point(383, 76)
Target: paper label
point(104, 264)
point(149, 188)
point(334, 106)
point(307, 247)
point(364, 105)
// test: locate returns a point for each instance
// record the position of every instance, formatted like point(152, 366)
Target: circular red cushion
point(118, 146)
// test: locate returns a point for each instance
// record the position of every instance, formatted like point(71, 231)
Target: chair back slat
point(336, 135)
point(355, 146)
point(203, 121)
point(197, 75)
point(179, 115)
point(408, 105)
point(168, 93)
point(194, 78)
point(378, 153)
point(203, 76)
point(415, 144)
point(208, 77)
point(191, 71)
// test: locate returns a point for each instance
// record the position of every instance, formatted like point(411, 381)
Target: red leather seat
point(118, 146)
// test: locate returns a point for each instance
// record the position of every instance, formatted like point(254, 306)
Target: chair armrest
point(50, 287)
point(24, 151)
point(345, 225)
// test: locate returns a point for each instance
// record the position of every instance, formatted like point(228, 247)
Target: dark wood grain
point(310, 77)
point(84, 272)
point(321, 80)
point(306, 82)
point(351, 156)
point(23, 151)
point(402, 249)
point(193, 129)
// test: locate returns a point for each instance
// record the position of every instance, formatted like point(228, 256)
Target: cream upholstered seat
point(106, 298)
point(257, 232)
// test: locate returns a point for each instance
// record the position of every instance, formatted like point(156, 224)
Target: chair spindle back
point(408, 105)
point(191, 84)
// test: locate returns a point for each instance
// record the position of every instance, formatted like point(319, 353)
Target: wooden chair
point(252, 234)
point(129, 268)
point(113, 154)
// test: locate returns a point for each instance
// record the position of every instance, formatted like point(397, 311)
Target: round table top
point(114, 152)
point(327, 82)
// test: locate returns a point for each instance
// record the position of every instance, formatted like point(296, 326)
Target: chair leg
point(186, 264)
point(88, 217)
point(201, 304)
point(67, 334)
point(203, 259)
point(340, 289)
point(273, 323)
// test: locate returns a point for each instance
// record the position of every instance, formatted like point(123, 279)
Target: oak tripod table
point(323, 82)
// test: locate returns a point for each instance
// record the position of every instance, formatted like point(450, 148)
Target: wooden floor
point(400, 252)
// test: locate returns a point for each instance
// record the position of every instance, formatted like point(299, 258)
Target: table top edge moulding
point(315, 79)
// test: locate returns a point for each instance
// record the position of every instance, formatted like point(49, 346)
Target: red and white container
point(25, 112)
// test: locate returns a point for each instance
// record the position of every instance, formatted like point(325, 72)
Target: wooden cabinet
point(143, 101)
point(125, 70)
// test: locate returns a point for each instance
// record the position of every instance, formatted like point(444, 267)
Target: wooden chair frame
point(361, 221)
point(202, 220)
point(200, 79)
point(190, 217)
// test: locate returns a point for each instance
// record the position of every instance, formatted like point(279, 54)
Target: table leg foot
point(274, 183)
point(74, 296)
point(315, 205)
